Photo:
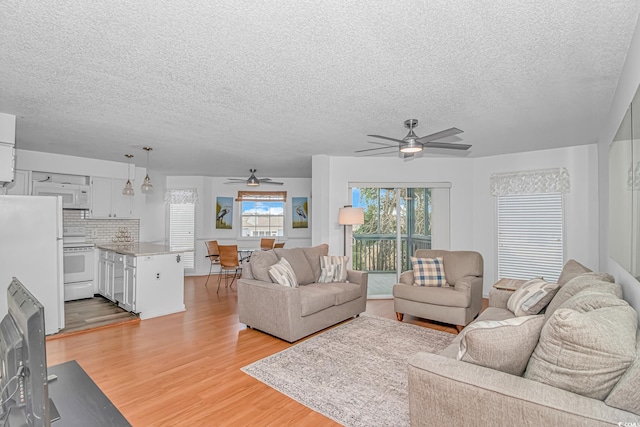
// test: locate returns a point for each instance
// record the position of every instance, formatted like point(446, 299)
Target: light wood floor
point(184, 369)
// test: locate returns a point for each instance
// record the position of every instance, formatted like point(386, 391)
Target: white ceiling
point(219, 87)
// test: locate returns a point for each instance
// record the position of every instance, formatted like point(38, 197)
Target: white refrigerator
point(31, 250)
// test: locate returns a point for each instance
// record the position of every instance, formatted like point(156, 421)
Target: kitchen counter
point(139, 249)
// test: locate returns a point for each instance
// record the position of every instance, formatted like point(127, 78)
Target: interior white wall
point(209, 188)
point(580, 204)
point(628, 83)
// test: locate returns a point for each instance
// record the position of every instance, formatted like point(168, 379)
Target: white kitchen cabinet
point(106, 270)
point(147, 279)
point(21, 184)
point(128, 301)
point(107, 200)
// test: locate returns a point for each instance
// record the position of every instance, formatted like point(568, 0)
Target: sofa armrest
point(499, 298)
point(469, 285)
point(361, 278)
point(444, 391)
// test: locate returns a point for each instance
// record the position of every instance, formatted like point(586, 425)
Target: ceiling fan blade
point(374, 149)
point(382, 143)
point(439, 135)
point(235, 182)
point(263, 179)
point(390, 139)
point(407, 155)
point(271, 183)
point(236, 179)
point(446, 145)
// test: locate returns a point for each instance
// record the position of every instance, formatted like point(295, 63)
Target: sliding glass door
point(397, 221)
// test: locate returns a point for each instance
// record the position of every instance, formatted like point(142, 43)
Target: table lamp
point(350, 216)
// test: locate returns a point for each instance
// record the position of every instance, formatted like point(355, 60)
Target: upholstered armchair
point(457, 304)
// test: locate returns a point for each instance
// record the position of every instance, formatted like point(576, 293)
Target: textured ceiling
point(218, 87)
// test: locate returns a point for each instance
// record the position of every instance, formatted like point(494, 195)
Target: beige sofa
point(447, 391)
point(458, 304)
point(293, 313)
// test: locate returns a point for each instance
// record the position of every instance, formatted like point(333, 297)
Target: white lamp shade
point(350, 216)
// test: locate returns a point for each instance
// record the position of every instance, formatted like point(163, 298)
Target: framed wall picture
point(300, 212)
point(224, 213)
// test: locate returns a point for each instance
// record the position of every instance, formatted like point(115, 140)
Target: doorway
point(398, 220)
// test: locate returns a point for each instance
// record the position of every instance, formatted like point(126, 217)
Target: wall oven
point(78, 264)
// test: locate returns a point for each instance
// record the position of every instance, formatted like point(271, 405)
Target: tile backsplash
point(105, 229)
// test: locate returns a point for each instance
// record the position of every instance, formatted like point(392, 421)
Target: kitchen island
point(144, 278)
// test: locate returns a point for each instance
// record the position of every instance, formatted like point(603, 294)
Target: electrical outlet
point(94, 233)
point(157, 276)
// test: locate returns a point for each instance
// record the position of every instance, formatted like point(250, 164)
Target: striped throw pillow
point(428, 272)
point(333, 269)
point(283, 274)
point(532, 297)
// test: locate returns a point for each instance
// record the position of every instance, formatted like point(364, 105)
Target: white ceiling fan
point(412, 143)
point(252, 181)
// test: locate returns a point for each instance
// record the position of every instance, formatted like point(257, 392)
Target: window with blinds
point(181, 230)
point(530, 236)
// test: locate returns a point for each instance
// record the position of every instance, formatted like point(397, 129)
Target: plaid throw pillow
point(428, 272)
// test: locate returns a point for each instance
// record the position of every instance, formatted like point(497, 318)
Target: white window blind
point(181, 230)
point(530, 236)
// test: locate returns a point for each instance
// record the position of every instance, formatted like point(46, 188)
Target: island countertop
point(139, 249)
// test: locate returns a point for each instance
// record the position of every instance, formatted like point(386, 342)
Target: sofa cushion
point(626, 394)
point(344, 292)
point(333, 269)
point(428, 272)
point(432, 295)
point(531, 297)
point(260, 263)
point(282, 273)
point(316, 297)
point(600, 281)
point(504, 345)
point(313, 255)
point(299, 262)
point(571, 269)
point(586, 352)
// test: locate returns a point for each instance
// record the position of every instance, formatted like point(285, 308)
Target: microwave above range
point(74, 196)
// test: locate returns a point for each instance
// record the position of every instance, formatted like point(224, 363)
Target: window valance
point(262, 196)
point(539, 181)
point(181, 196)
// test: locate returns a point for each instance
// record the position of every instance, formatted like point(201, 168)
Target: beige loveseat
point(559, 385)
point(291, 313)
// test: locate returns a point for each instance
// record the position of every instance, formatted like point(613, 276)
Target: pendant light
point(128, 188)
point(147, 187)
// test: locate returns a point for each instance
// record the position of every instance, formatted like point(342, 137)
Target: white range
point(78, 264)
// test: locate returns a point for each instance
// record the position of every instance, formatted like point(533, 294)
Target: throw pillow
point(602, 282)
point(333, 269)
point(571, 269)
point(503, 345)
point(428, 272)
point(299, 263)
point(313, 255)
point(585, 353)
point(260, 263)
point(283, 274)
point(531, 297)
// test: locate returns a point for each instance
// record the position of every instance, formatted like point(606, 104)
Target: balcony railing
point(376, 253)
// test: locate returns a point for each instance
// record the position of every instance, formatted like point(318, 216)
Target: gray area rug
point(356, 373)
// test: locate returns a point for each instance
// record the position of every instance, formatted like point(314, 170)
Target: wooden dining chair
point(213, 253)
point(278, 245)
point(266, 244)
point(229, 264)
